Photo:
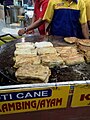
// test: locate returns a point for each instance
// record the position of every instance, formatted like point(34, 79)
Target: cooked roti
point(25, 45)
point(83, 48)
point(43, 44)
point(66, 51)
point(51, 60)
point(72, 60)
point(20, 60)
point(46, 50)
point(33, 72)
point(70, 39)
point(85, 42)
point(27, 51)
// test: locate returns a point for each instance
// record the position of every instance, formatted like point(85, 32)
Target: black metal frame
point(6, 35)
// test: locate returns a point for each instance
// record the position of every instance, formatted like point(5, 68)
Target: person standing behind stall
point(39, 10)
point(67, 18)
point(87, 3)
point(7, 4)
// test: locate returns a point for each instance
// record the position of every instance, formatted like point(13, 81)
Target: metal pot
point(14, 12)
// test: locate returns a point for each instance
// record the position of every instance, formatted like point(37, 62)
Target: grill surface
point(59, 74)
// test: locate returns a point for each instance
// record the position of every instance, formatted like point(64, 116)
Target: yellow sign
point(81, 96)
point(25, 100)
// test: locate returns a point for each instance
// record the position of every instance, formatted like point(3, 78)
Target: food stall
point(65, 96)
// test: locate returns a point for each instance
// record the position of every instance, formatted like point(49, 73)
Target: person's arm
point(85, 30)
point(33, 20)
point(36, 24)
point(33, 2)
point(83, 19)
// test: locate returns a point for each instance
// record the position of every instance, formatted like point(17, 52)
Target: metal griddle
point(59, 74)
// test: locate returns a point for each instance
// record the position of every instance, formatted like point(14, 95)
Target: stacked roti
point(84, 47)
point(70, 55)
point(28, 64)
point(48, 54)
point(26, 53)
point(33, 73)
point(44, 47)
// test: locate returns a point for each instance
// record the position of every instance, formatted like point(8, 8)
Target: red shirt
point(39, 10)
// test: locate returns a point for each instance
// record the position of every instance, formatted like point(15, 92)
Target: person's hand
point(21, 32)
point(30, 32)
